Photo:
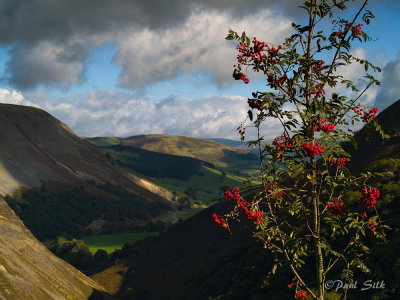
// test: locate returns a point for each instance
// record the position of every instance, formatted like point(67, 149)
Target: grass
point(112, 242)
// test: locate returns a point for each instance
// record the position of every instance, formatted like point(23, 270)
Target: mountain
point(57, 182)
point(201, 149)
point(209, 263)
point(37, 147)
point(29, 271)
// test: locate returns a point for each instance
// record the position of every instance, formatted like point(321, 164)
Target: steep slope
point(58, 183)
point(197, 260)
point(205, 150)
point(37, 147)
point(29, 271)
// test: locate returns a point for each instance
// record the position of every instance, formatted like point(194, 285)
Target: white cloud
point(14, 97)
point(355, 72)
point(149, 56)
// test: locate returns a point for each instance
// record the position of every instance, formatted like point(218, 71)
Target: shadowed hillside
point(372, 149)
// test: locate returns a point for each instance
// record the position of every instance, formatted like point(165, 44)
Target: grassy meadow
point(112, 242)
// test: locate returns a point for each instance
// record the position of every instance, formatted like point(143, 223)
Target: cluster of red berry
point(274, 51)
point(340, 161)
point(366, 115)
point(318, 67)
point(233, 194)
point(275, 81)
point(336, 207)
point(325, 126)
point(319, 92)
point(249, 214)
point(254, 54)
point(300, 294)
point(370, 195)
point(370, 114)
point(372, 226)
point(355, 29)
point(311, 150)
point(238, 75)
point(220, 221)
point(272, 190)
point(282, 144)
point(337, 34)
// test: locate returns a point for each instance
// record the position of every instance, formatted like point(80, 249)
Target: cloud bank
point(389, 91)
point(120, 114)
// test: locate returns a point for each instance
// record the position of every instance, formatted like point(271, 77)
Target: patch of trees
point(51, 213)
point(155, 164)
point(77, 253)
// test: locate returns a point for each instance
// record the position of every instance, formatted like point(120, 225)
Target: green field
point(112, 242)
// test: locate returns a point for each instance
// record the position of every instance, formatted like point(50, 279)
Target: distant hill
point(30, 271)
point(205, 150)
point(230, 143)
point(58, 182)
point(190, 167)
point(155, 164)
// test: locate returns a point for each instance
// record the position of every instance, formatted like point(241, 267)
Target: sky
point(129, 67)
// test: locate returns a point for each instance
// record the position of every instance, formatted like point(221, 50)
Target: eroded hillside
point(29, 271)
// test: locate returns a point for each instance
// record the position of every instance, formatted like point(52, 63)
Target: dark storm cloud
point(45, 63)
point(33, 20)
point(389, 90)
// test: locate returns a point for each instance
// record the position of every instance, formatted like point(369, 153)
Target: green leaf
point(274, 268)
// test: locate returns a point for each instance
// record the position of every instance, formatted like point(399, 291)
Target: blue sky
point(121, 68)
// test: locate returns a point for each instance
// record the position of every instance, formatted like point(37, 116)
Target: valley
point(121, 205)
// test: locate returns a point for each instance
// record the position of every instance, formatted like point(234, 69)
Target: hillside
point(187, 177)
point(375, 153)
point(205, 150)
point(29, 271)
point(209, 263)
point(205, 260)
point(37, 147)
point(57, 182)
